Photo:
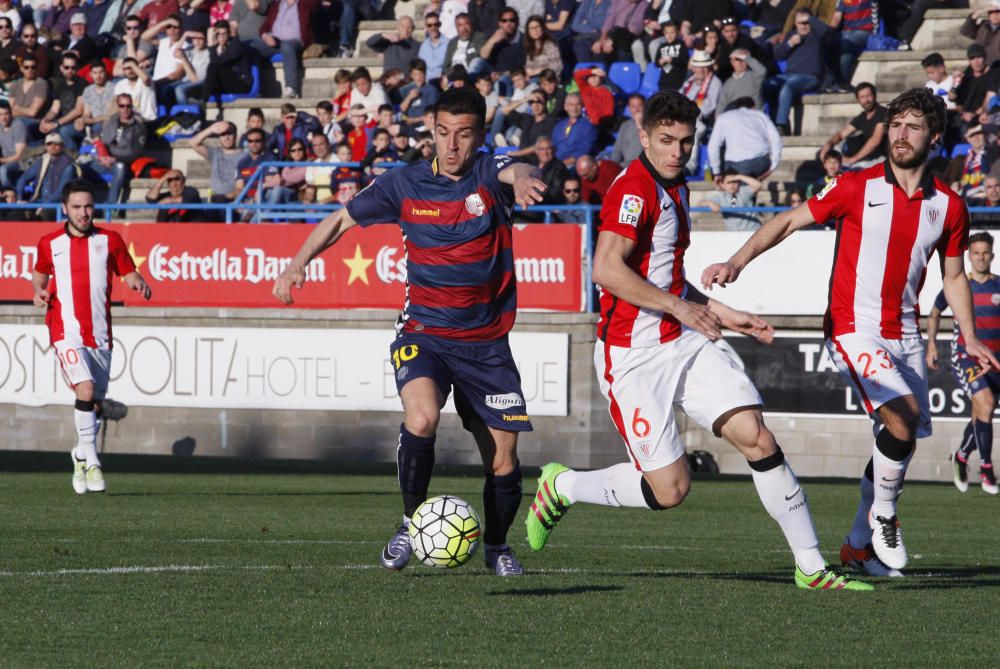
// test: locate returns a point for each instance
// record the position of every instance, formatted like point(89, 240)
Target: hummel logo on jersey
point(876, 204)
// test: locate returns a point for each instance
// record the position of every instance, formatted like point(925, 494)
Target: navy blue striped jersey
point(986, 303)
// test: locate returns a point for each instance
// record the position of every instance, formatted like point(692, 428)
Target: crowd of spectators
point(83, 89)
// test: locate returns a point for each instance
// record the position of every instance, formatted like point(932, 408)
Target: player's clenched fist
point(292, 276)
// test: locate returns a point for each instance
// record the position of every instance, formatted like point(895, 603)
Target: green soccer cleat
point(95, 479)
point(547, 508)
point(829, 578)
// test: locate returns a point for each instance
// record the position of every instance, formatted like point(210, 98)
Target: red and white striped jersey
point(81, 269)
point(653, 212)
point(884, 242)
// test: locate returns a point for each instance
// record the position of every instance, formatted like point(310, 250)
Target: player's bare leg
point(422, 402)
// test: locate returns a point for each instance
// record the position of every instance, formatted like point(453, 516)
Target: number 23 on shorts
point(870, 363)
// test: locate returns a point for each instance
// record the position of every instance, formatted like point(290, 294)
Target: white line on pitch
point(170, 568)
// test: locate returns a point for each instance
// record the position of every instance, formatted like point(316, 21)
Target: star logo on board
point(358, 266)
point(136, 258)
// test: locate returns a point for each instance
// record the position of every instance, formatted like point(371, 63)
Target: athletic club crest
point(932, 216)
point(646, 448)
point(475, 205)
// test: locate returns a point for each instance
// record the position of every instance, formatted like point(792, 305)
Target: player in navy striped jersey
point(461, 300)
point(982, 388)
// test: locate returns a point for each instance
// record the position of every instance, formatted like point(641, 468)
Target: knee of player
point(85, 392)
point(665, 495)
point(422, 423)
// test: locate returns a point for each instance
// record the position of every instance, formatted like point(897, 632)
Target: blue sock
point(984, 440)
point(501, 500)
point(415, 463)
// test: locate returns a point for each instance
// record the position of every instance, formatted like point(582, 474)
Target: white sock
point(785, 500)
point(618, 485)
point(889, 476)
point(86, 432)
point(861, 531)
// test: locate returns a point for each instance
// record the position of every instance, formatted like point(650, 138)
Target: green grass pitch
point(249, 569)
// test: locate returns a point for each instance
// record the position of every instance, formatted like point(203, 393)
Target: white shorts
point(643, 385)
point(81, 363)
point(881, 370)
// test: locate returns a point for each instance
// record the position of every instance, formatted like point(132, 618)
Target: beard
point(917, 156)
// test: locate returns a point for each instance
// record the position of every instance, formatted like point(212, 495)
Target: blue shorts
point(967, 371)
point(486, 381)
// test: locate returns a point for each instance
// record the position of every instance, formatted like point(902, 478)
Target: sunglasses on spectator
point(255, 141)
point(801, 23)
point(27, 67)
point(124, 106)
point(571, 190)
point(131, 27)
point(296, 148)
point(436, 24)
point(510, 20)
point(536, 101)
point(27, 35)
point(4, 27)
point(173, 27)
point(175, 179)
point(228, 133)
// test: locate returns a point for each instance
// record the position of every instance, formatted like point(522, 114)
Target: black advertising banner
point(796, 375)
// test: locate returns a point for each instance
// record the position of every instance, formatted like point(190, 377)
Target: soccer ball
point(445, 532)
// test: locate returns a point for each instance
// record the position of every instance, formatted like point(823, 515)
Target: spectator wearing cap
point(78, 40)
point(862, 140)
point(398, 47)
point(464, 48)
point(854, 22)
point(702, 88)
point(288, 30)
point(178, 193)
point(751, 143)
point(67, 103)
point(627, 144)
point(622, 26)
point(983, 26)
point(586, 27)
point(434, 48)
point(124, 137)
point(746, 81)
point(965, 174)
point(803, 48)
point(574, 136)
point(48, 173)
point(978, 79)
point(669, 53)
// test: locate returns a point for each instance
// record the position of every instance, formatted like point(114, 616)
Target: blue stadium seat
point(960, 150)
point(161, 111)
point(626, 76)
point(254, 91)
point(276, 59)
point(650, 81)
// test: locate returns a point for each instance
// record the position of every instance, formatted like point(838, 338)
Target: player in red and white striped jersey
point(654, 351)
point(72, 282)
point(893, 217)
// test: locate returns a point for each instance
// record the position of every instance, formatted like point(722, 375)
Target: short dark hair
point(288, 108)
point(220, 24)
point(862, 86)
point(379, 132)
point(386, 107)
point(510, 10)
point(834, 153)
point(463, 101)
point(255, 111)
point(4, 104)
point(76, 186)
point(981, 237)
point(667, 108)
point(430, 15)
point(258, 131)
point(360, 73)
point(325, 105)
point(97, 63)
point(418, 64)
point(932, 60)
point(549, 75)
point(922, 102)
point(463, 15)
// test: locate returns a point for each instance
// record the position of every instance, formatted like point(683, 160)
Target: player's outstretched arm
point(933, 323)
point(528, 187)
point(770, 234)
point(615, 276)
point(135, 282)
point(959, 296)
point(737, 320)
point(324, 235)
point(40, 282)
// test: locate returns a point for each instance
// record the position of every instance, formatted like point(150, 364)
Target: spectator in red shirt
point(595, 177)
point(341, 95)
point(158, 10)
point(357, 138)
point(598, 101)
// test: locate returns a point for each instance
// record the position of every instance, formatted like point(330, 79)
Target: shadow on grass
point(547, 592)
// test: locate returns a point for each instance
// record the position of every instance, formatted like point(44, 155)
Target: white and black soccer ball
point(445, 532)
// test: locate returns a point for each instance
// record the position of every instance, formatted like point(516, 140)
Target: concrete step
point(938, 23)
point(873, 63)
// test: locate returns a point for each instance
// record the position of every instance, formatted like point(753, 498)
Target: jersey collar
point(657, 177)
point(926, 181)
